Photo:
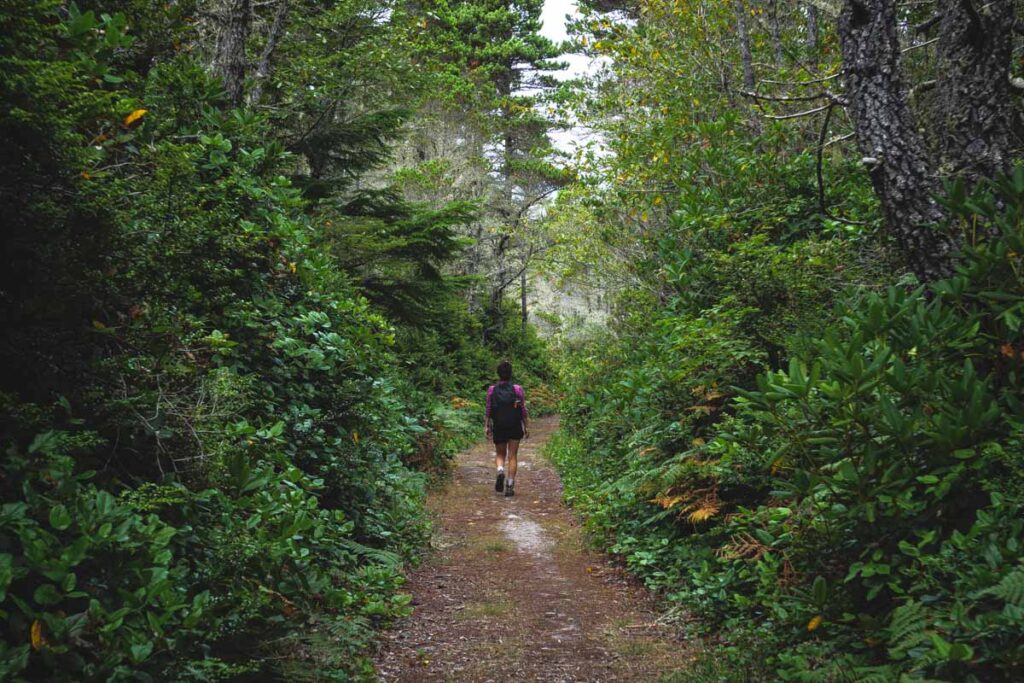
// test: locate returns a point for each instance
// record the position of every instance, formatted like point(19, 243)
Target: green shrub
point(209, 431)
point(856, 516)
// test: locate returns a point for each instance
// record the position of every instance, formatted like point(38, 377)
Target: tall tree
point(894, 151)
point(974, 104)
point(973, 114)
point(230, 61)
point(504, 66)
point(743, 33)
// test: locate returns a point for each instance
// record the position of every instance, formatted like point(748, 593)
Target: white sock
point(500, 470)
point(511, 481)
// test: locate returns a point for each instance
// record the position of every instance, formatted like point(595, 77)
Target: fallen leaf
point(37, 635)
point(134, 116)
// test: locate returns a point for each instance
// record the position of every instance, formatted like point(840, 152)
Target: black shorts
point(508, 434)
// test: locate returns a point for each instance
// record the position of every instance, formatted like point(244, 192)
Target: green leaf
point(47, 594)
point(819, 591)
point(961, 652)
point(141, 651)
point(60, 518)
point(942, 646)
point(104, 502)
point(6, 573)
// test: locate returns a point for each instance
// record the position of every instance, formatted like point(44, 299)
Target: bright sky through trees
point(554, 18)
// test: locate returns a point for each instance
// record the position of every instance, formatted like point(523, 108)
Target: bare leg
point(499, 453)
point(512, 462)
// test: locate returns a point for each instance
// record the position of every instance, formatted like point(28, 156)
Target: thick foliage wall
point(816, 460)
point(209, 418)
point(855, 517)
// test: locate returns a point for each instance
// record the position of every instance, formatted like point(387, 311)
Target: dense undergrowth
point(216, 431)
point(853, 516)
point(814, 455)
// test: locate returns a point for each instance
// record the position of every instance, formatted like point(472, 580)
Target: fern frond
point(742, 546)
point(377, 555)
point(1010, 588)
point(907, 626)
point(667, 501)
point(875, 674)
point(705, 510)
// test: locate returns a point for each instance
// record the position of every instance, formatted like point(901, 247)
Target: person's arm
point(525, 413)
point(487, 412)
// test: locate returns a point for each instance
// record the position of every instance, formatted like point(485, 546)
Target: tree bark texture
point(273, 36)
point(886, 132)
point(776, 34)
point(229, 59)
point(744, 35)
point(974, 105)
point(522, 299)
point(812, 27)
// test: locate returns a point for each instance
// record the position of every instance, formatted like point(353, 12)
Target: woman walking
point(507, 421)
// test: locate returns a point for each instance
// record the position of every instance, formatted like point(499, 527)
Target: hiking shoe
point(499, 483)
point(510, 491)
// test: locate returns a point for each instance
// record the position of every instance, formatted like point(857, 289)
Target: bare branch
point(923, 86)
point(919, 45)
point(812, 81)
point(837, 139)
point(786, 98)
point(800, 114)
point(820, 172)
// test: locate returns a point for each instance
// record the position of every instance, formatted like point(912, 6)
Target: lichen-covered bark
point(894, 151)
point(273, 36)
point(974, 109)
point(776, 30)
point(744, 35)
point(229, 59)
point(812, 27)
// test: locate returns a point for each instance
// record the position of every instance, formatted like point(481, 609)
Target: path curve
point(510, 593)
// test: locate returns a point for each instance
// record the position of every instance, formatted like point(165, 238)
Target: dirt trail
point(510, 593)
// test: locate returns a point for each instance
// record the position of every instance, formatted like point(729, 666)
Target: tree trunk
point(503, 83)
point(812, 28)
point(522, 298)
point(887, 135)
point(776, 34)
point(744, 36)
point(974, 105)
point(229, 59)
point(263, 68)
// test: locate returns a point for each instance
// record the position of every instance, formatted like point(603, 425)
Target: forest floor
point(510, 592)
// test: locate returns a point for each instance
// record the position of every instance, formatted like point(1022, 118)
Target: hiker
point(506, 419)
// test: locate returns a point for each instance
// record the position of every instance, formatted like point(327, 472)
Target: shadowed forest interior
point(765, 258)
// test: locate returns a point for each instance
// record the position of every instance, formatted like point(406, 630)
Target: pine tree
point(501, 68)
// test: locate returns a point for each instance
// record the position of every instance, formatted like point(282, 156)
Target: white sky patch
point(554, 16)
